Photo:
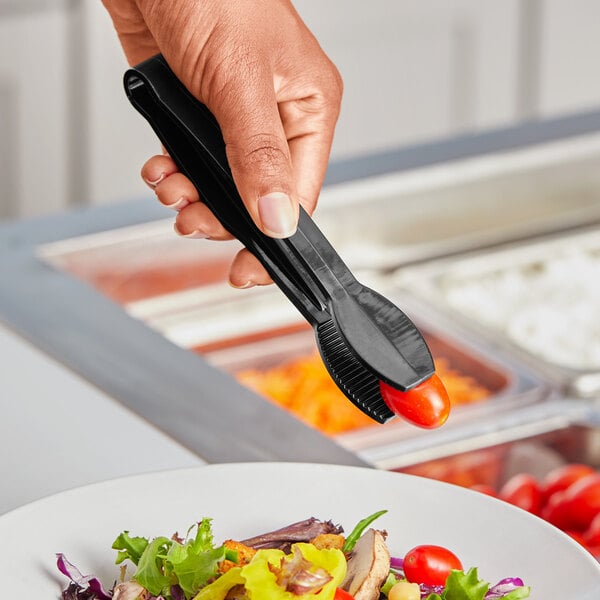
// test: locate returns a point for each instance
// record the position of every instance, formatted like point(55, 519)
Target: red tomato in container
point(555, 511)
point(562, 477)
point(576, 535)
point(577, 506)
point(430, 564)
point(523, 490)
point(484, 489)
point(426, 405)
point(591, 535)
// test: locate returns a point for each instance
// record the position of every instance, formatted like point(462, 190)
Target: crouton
point(244, 555)
point(328, 540)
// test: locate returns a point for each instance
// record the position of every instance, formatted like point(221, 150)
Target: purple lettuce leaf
point(82, 587)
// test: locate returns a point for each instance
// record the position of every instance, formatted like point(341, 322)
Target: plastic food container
point(376, 223)
point(535, 300)
point(288, 362)
point(535, 454)
point(161, 281)
point(178, 286)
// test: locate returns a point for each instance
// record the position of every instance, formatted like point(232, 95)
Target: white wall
point(33, 112)
point(413, 71)
point(570, 48)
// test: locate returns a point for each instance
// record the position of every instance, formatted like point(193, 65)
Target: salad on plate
point(307, 560)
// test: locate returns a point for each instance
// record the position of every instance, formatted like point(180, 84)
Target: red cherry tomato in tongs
point(426, 405)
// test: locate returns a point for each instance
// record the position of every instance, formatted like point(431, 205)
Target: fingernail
point(155, 182)
point(277, 214)
point(196, 234)
point(245, 286)
point(179, 205)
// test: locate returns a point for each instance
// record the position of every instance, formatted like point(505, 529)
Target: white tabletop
point(57, 431)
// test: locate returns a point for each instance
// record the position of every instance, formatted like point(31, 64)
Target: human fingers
point(224, 53)
point(130, 24)
point(246, 271)
point(176, 192)
point(309, 126)
point(257, 149)
point(157, 168)
point(197, 221)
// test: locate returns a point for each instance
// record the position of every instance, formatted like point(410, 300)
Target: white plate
point(250, 498)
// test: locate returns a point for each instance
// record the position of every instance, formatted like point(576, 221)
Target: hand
point(274, 92)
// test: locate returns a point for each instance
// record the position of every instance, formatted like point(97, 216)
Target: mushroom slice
point(130, 590)
point(368, 566)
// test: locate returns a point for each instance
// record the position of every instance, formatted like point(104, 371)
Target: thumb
point(259, 154)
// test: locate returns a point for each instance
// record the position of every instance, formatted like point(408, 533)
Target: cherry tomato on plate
point(560, 478)
point(523, 490)
point(430, 564)
point(426, 405)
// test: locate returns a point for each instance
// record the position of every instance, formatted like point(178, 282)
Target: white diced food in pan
point(549, 308)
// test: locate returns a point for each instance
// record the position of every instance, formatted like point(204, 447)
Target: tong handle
point(305, 266)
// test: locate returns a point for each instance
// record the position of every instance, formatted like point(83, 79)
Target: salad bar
point(505, 300)
point(494, 256)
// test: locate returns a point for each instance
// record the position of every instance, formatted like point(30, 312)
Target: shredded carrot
point(304, 387)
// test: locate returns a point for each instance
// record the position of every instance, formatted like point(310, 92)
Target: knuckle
point(265, 147)
point(263, 152)
point(332, 90)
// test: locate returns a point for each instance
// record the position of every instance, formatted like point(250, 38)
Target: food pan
point(279, 352)
point(135, 263)
point(238, 330)
point(407, 217)
point(375, 223)
point(535, 454)
point(537, 301)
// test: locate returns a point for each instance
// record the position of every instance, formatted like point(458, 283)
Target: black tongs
point(363, 338)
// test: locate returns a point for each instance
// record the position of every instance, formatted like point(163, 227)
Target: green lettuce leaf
point(151, 572)
point(389, 583)
point(518, 593)
point(193, 568)
point(203, 541)
point(163, 562)
point(129, 547)
point(465, 585)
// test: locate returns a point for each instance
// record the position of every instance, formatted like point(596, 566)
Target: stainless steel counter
point(197, 405)
point(58, 431)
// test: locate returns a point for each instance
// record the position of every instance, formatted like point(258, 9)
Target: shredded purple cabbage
point(503, 587)
point(430, 589)
point(396, 563)
point(82, 587)
point(496, 592)
point(177, 593)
